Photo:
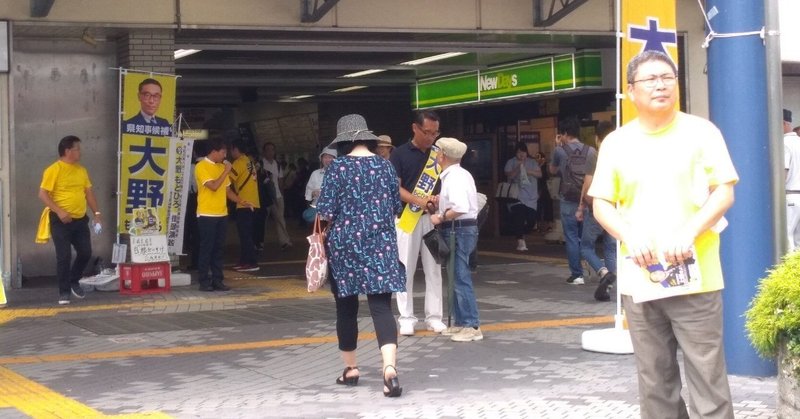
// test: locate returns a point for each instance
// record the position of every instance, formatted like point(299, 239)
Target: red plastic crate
point(143, 278)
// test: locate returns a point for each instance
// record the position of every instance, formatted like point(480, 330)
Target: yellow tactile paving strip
point(285, 288)
point(38, 401)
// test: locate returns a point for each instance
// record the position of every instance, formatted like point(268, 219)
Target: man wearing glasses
point(146, 122)
point(671, 179)
point(409, 162)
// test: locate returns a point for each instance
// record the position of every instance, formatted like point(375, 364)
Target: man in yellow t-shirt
point(65, 190)
point(213, 188)
point(671, 178)
point(243, 177)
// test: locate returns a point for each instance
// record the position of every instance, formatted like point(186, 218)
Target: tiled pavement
point(268, 349)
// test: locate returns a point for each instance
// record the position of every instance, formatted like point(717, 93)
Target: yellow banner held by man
point(424, 188)
point(646, 25)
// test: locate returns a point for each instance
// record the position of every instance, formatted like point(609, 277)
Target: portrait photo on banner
point(148, 104)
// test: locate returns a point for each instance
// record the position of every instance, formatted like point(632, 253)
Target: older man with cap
point(384, 146)
point(458, 216)
point(791, 160)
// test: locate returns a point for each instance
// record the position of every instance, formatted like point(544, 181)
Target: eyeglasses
point(668, 80)
point(428, 132)
point(149, 96)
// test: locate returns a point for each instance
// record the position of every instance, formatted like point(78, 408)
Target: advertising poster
point(180, 162)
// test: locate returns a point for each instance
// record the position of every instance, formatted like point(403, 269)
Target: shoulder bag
point(317, 262)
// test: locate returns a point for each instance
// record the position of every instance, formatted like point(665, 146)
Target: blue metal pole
point(738, 103)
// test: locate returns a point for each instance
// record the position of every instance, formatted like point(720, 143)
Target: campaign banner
point(180, 163)
point(143, 179)
point(646, 25)
point(423, 189)
point(147, 112)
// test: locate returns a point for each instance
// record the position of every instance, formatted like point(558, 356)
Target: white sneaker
point(467, 334)
point(436, 326)
point(521, 246)
point(407, 329)
point(452, 330)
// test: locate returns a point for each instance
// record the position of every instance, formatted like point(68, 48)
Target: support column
point(738, 104)
point(148, 50)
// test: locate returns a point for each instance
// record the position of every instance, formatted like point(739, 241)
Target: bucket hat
point(352, 127)
point(328, 151)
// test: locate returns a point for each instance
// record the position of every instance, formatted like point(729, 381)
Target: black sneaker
point(78, 292)
point(601, 293)
point(63, 298)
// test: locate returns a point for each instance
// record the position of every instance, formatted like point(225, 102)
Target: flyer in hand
point(661, 280)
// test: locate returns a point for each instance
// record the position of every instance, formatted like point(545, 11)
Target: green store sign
point(543, 75)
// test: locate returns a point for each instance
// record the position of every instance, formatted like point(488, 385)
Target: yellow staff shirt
point(211, 203)
point(66, 183)
point(244, 179)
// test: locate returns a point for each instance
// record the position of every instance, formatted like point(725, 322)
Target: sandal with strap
point(393, 384)
point(348, 381)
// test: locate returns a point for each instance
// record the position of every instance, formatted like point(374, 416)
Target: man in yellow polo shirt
point(213, 188)
point(671, 179)
point(243, 176)
point(65, 190)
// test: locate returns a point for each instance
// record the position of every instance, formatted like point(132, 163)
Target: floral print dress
point(360, 197)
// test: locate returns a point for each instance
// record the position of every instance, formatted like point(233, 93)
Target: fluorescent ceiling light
point(180, 53)
point(433, 58)
point(301, 97)
point(363, 73)
point(349, 89)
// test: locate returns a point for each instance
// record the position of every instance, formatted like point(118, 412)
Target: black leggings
point(380, 308)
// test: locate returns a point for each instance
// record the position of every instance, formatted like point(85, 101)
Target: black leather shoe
point(601, 293)
point(220, 287)
point(391, 384)
point(206, 288)
point(348, 381)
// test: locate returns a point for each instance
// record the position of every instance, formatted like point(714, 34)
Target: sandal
point(393, 384)
point(348, 381)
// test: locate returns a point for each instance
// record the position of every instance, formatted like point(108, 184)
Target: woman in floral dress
point(360, 199)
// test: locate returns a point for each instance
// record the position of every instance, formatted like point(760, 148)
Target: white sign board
point(150, 248)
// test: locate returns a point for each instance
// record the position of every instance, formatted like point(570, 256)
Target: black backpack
point(574, 172)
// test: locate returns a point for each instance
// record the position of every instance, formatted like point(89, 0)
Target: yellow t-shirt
point(661, 179)
point(211, 203)
point(243, 176)
point(67, 183)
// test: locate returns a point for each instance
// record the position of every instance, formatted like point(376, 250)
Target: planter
point(788, 389)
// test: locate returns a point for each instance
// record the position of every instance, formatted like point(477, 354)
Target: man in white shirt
point(791, 160)
point(269, 164)
point(458, 215)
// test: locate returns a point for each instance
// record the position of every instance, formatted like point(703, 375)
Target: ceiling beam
point(379, 46)
point(41, 8)
point(567, 6)
point(320, 67)
point(312, 14)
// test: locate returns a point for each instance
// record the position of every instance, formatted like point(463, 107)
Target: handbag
point(317, 262)
point(507, 190)
point(437, 246)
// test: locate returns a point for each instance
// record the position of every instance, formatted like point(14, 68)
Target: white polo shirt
point(791, 160)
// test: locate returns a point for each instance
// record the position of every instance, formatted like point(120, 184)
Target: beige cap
point(451, 147)
point(385, 140)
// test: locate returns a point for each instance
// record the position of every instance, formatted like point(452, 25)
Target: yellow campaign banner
point(148, 104)
point(646, 25)
point(424, 187)
point(144, 162)
point(3, 300)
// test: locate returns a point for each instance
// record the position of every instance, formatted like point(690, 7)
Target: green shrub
point(774, 314)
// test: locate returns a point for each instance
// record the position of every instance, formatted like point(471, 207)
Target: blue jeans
point(65, 237)
point(465, 306)
point(572, 236)
point(212, 238)
point(591, 232)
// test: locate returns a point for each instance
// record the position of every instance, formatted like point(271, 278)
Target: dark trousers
point(212, 240)
point(65, 236)
point(190, 230)
point(380, 308)
point(259, 225)
point(245, 218)
point(524, 219)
